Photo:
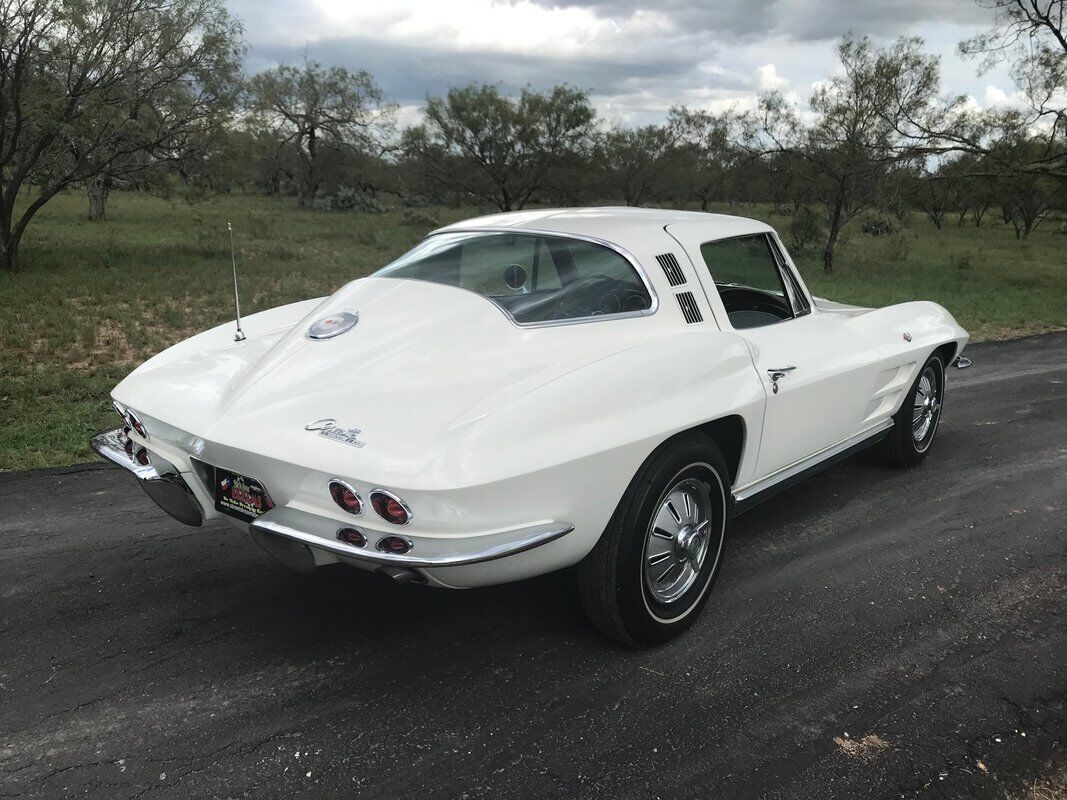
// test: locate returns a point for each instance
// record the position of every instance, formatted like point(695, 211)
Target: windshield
point(532, 277)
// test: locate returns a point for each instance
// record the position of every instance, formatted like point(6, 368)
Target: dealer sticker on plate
point(240, 496)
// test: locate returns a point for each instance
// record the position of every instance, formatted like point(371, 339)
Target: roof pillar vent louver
point(688, 304)
point(671, 268)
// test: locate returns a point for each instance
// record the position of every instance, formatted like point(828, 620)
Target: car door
point(817, 371)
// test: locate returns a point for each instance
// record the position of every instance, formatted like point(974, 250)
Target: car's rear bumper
point(286, 532)
point(160, 479)
point(426, 552)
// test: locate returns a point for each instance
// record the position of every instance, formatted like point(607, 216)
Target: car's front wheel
point(915, 425)
point(650, 574)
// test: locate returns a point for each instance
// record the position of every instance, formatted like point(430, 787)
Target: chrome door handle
point(776, 374)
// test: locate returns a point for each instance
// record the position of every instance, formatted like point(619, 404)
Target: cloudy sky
point(636, 58)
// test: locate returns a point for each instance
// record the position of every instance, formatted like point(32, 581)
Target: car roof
point(620, 225)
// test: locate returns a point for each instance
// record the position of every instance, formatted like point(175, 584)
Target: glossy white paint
point(484, 427)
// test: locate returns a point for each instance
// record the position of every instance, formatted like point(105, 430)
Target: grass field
point(94, 299)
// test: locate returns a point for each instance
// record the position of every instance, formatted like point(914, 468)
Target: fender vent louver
point(688, 304)
point(672, 269)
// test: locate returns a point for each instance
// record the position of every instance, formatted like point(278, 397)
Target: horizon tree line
point(139, 94)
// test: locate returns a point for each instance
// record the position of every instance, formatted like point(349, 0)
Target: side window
point(748, 277)
point(483, 260)
point(533, 278)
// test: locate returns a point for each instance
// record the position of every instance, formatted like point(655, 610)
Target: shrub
point(879, 225)
point(962, 261)
point(806, 228)
point(417, 201)
point(348, 199)
point(899, 246)
point(421, 219)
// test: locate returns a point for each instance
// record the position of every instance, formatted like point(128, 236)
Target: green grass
point(94, 299)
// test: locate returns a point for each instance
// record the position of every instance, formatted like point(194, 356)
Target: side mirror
point(515, 276)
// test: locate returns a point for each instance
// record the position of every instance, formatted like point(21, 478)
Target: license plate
point(240, 496)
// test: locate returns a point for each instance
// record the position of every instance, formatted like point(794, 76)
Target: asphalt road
point(874, 633)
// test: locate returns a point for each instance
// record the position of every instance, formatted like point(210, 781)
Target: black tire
point(616, 593)
point(904, 447)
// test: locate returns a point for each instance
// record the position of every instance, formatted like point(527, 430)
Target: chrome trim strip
point(109, 445)
point(581, 237)
point(785, 473)
point(316, 531)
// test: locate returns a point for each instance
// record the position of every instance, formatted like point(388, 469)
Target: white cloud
point(515, 28)
point(995, 96)
point(637, 58)
point(768, 79)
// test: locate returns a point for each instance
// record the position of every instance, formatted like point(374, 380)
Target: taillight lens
point(396, 545)
point(346, 497)
point(390, 508)
point(134, 422)
point(142, 457)
point(352, 536)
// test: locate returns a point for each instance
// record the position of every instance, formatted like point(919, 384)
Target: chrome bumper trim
point(167, 488)
point(109, 445)
point(321, 532)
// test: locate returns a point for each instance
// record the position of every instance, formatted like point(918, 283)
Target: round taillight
point(134, 422)
point(352, 536)
point(397, 545)
point(128, 447)
point(346, 497)
point(142, 457)
point(390, 508)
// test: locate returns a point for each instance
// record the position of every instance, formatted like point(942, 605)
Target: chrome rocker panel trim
point(167, 488)
point(321, 532)
point(747, 497)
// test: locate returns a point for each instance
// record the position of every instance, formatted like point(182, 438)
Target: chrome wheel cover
point(677, 541)
point(926, 407)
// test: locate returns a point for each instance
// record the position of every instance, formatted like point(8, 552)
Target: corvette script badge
point(331, 430)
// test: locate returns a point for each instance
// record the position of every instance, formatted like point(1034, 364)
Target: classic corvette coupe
point(601, 388)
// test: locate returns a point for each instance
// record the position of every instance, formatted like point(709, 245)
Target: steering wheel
point(583, 297)
point(620, 300)
point(740, 299)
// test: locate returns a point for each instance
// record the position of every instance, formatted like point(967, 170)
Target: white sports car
point(524, 392)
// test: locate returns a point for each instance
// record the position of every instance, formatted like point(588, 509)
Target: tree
point(933, 194)
point(640, 164)
point(1028, 35)
point(311, 109)
point(1027, 198)
point(707, 145)
point(498, 149)
point(103, 87)
point(850, 147)
point(971, 186)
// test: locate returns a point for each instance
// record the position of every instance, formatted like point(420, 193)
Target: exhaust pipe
point(401, 574)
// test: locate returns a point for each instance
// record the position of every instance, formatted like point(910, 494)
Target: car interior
point(752, 284)
point(534, 278)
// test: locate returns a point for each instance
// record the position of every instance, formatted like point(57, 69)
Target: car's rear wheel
point(915, 424)
point(652, 570)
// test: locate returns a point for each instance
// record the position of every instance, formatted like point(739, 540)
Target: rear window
point(533, 277)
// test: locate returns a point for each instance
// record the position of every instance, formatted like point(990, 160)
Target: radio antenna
point(240, 335)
